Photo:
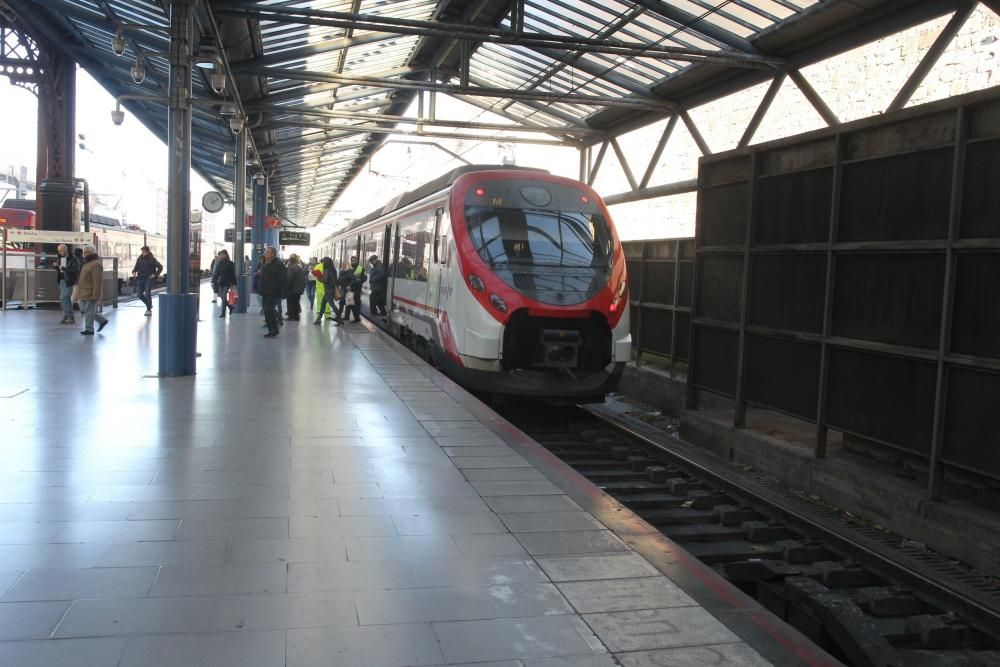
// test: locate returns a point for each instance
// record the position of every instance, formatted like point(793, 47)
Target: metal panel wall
point(660, 286)
point(850, 277)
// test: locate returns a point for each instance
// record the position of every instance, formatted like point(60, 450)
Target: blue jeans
point(89, 308)
point(144, 288)
point(66, 299)
point(311, 292)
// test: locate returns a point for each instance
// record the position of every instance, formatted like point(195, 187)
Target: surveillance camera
point(218, 82)
point(236, 124)
point(117, 116)
point(138, 73)
point(228, 158)
point(118, 44)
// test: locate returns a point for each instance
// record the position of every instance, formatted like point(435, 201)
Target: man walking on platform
point(90, 290)
point(147, 268)
point(272, 288)
point(68, 270)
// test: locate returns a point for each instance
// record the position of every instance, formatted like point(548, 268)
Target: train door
point(393, 269)
point(434, 269)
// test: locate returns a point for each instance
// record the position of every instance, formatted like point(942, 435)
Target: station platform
point(320, 498)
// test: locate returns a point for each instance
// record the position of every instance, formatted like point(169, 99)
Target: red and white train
point(511, 280)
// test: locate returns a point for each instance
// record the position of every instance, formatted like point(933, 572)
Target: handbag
point(232, 296)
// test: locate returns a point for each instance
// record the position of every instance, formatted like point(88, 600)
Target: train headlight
point(619, 295)
point(477, 282)
point(498, 303)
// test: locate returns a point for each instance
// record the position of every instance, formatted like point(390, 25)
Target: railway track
point(865, 596)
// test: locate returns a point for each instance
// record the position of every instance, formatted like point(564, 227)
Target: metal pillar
point(178, 308)
point(56, 205)
point(239, 203)
point(259, 213)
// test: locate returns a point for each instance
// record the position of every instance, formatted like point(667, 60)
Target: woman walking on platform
point(224, 276)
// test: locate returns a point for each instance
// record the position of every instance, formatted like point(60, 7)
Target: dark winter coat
point(296, 279)
point(378, 277)
point(272, 279)
point(147, 266)
point(71, 274)
point(224, 274)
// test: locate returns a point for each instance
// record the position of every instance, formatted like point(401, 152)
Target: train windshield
point(539, 237)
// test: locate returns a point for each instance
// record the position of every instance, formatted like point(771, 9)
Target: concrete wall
point(777, 446)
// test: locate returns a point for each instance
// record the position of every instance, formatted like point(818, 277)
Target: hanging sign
point(19, 235)
point(288, 237)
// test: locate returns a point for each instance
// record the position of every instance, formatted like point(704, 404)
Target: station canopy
point(322, 83)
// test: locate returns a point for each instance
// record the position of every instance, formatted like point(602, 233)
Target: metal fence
point(849, 277)
point(660, 288)
point(28, 280)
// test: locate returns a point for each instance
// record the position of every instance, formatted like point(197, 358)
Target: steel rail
point(948, 594)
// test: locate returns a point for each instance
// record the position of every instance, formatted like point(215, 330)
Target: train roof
point(20, 204)
point(430, 187)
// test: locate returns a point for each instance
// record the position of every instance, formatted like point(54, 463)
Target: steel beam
point(688, 21)
point(435, 122)
point(316, 49)
point(936, 473)
point(375, 129)
point(623, 161)
point(486, 34)
point(762, 109)
point(814, 98)
point(598, 161)
point(538, 108)
point(931, 57)
point(501, 93)
point(695, 133)
point(675, 188)
point(658, 151)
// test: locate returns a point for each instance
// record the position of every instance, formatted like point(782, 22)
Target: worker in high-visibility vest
point(317, 271)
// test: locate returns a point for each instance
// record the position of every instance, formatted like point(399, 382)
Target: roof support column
point(259, 213)
point(179, 307)
point(56, 146)
point(239, 203)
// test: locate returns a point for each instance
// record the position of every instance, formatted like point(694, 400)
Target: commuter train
point(511, 280)
point(111, 238)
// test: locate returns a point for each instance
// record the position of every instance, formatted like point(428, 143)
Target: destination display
point(288, 237)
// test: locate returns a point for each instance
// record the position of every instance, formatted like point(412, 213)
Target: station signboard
point(228, 235)
point(20, 235)
point(289, 237)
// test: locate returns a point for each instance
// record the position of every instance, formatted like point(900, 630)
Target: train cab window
point(539, 237)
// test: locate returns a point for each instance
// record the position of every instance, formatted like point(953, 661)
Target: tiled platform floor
point(309, 500)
